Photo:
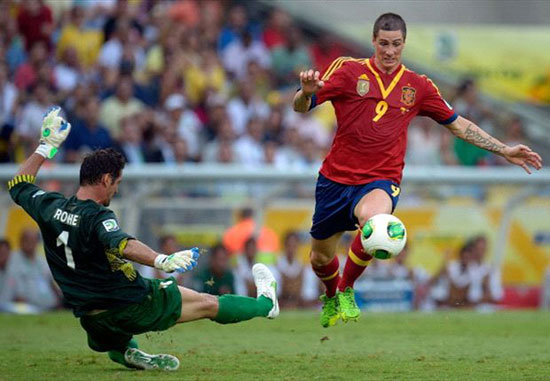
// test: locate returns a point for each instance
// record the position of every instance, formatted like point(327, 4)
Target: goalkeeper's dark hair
point(99, 163)
point(389, 21)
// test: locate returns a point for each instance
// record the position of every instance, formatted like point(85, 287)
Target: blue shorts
point(335, 203)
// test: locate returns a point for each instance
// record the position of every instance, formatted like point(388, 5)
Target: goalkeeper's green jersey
point(83, 244)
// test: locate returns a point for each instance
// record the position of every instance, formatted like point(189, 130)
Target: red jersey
point(373, 110)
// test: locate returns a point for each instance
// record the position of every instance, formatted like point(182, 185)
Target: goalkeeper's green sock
point(234, 308)
point(118, 356)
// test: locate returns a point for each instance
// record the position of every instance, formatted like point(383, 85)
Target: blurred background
point(197, 96)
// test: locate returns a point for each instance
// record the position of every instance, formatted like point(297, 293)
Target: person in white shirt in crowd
point(310, 153)
point(30, 120)
point(123, 38)
point(249, 148)
point(244, 282)
point(67, 72)
point(273, 155)
point(468, 281)
point(424, 144)
point(189, 126)
point(290, 149)
point(298, 285)
point(486, 285)
point(8, 97)
point(8, 107)
point(309, 127)
point(27, 277)
point(245, 106)
point(225, 137)
point(239, 53)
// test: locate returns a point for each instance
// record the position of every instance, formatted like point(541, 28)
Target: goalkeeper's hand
point(54, 132)
point(180, 261)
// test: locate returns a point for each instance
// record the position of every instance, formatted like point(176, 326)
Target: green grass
point(440, 346)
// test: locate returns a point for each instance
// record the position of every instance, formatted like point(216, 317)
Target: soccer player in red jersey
point(374, 99)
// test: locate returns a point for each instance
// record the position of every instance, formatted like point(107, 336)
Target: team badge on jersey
point(110, 225)
point(363, 85)
point(408, 95)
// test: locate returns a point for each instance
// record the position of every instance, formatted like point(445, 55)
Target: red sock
point(329, 275)
point(356, 263)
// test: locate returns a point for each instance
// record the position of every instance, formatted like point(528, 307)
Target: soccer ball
point(383, 236)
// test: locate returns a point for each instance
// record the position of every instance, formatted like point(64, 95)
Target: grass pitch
point(440, 346)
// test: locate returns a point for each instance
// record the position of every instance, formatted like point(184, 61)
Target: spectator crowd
point(184, 81)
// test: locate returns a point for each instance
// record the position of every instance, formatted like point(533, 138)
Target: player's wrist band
point(46, 150)
point(159, 260)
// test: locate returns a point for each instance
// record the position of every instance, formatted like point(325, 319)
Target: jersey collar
point(397, 74)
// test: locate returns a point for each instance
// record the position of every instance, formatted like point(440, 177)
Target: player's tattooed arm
point(480, 138)
point(520, 155)
point(471, 133)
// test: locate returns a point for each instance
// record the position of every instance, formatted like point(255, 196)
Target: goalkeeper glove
point(54, 132)
point(180, 261)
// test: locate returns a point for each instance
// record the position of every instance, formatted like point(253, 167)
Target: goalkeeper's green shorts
point(113, 329)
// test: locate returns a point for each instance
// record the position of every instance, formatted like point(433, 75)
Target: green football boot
point(348, 306)
point(330, 312)
point(142, 360)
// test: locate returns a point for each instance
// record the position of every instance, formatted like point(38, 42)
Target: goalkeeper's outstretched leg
point(228, 308)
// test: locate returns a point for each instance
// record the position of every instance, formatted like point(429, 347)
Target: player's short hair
point(389, 21)
point(99, 163)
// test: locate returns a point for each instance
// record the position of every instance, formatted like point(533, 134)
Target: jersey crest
point(363, 85)
point(408, 95)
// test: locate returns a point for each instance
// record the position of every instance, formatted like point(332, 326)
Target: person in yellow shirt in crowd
point(87, 42)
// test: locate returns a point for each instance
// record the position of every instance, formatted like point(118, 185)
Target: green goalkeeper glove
point(54, 132)
point(180, 261)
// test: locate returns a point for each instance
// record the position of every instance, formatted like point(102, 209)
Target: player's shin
point(235, 308)
point(356, 263)
point(329, 275)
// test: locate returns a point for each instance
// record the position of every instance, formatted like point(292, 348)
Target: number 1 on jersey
point(381, 108)
point(63, 239)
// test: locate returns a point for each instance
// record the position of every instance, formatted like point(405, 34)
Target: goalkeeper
point(87, 251)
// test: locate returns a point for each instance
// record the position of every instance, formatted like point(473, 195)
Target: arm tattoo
point(472, 135)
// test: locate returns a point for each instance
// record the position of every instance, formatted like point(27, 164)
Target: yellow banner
point(509, 62)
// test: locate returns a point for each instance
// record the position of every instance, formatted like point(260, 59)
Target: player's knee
point(318, 258)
